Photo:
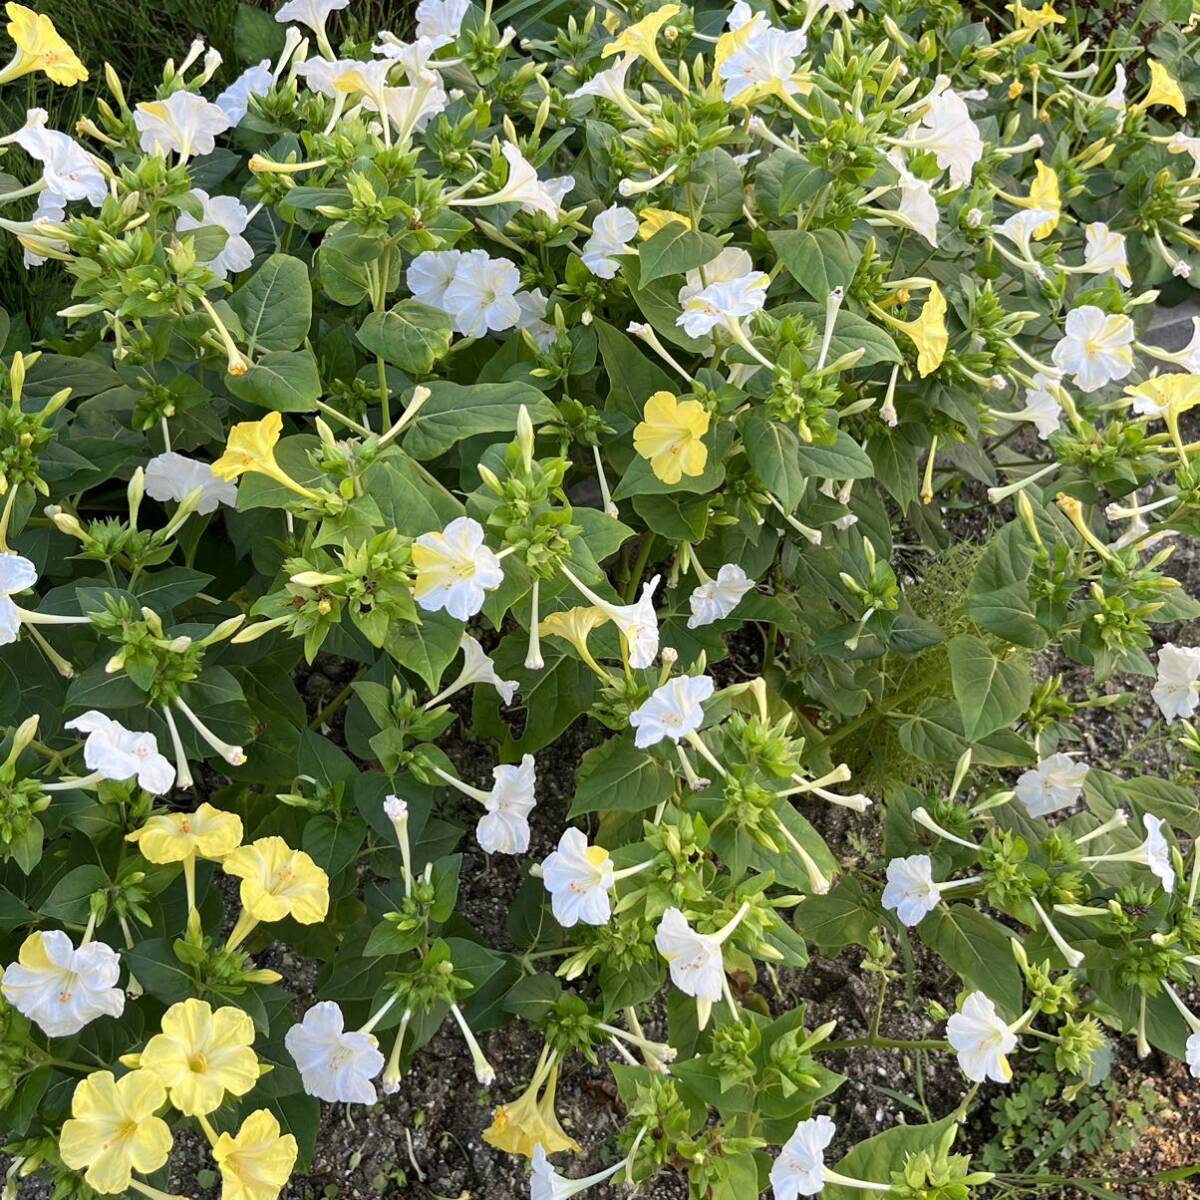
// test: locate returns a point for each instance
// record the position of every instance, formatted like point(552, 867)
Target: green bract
point(753, 415)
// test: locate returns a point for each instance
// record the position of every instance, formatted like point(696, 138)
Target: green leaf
point(843, 916)
point(284, 380)
point(875, 1159)
point(69, 899)
point(410, 335)
point(160, 973)
point(844, 459)
point(617, 777)
point(818, 261)
point(275, 304)
point(454, 412)
point(992, 692)
point(979, 949)
point(773, 451)
point(675, 249)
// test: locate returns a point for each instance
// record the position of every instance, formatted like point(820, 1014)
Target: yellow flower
point(1034, 18)
point(638, 41)
point(527, 1122)
point(200, 1055)
point(670, 434)
point(112, 1130)
point(1176, 392)
point(1163, 90)
point(575, 625)
point(174, 837)
point(40, 47)
point(258, 1162)
point(251, 448)
point(279, 882)
point(654, 219)
point(1045, 194)
point(928, 332)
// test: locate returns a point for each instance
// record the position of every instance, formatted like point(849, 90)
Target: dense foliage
point(766, 391)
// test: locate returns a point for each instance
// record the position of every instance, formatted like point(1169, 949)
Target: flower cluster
point(769, 393)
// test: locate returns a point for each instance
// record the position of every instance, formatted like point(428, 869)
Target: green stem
point(639, 565)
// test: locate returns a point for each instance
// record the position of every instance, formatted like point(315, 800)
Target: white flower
point(1182, 144)
point(505, 828)
point(395, 810)
point(1105, 251)
point(1177, 689)
point(917, 204)
point(1095, 347)
point(68, 171)
point(118, 753)
point(1054, 784)
point(717, 598)
point(673, 711)
point(524, 188)
point(1193, 1055)
point(60, 989)
point(1156, 852)
point(455, 569)
point(313, 13)
point(1022, 225)
point(910, 891)
point(183, 123)
point(430, 274)
point(800, 1168)
point(608, 84)
point(334, 1065)
point(533, 306)
point(234, 101)
point(741, 14)
point(578, 877)
point(410, 108)
point(1116, 98)
point(721, 303)
point(440, 20)
point(1042, 405)
point(952, 136)
point(320, 74)
point(768, 57)
point(230, 214)
point(612, 231)
point(481, 296)
point(415, 57)
point(478, 668)
point(731, 264)
point(173, 476)
point(694, 959)
point(981, 1039)
point(17, 574)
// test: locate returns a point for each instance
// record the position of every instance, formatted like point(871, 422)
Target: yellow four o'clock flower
point(670, 436)
point(1163, 90)
point(112, 1130)
point(251, 450)
point(927, 332)
point(277, 882)
point(638, 41)
point(40, 47)
point(256, 1163)
point(653, 219)
point(1045, 196)
point(575, 625)
point(528, 1121)
point(201, 1054)
point(1034, 18)
point(184, 837)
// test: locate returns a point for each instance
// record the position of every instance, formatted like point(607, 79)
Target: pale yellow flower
point(258, 1162)
point(40, 47)
point(670, 436)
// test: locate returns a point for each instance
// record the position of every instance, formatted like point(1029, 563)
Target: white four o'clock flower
point(524, 188)
point(731, 264)
point(230, 214)
point(234, 101)
point(482, 294)
point(1115, 99)
point(911, 892)
point(768, 59)
point(61, 989)
point(637, 622)
point(1177, 688)
point(334, 1065)
point(440, 20)
point(917, 204)
point(715, 599)
point(113, 752)
point(673, 711)
point(431, 273)
point(183, 124)
point(578, 878)
point(477, 668)
point(69, 172)
point(533, 306)
point(1042, 405)
point(18, 574)
point(1104, 250)
point(1096, 347)
point(800, 1168)
point(320, 75)
point(722, 303)
point(455, 569)
point(612, 231)
point(1181, 143)
point(947, 130)
point(694, 959)
point(608, 84)
point(505, 827)
point(173, 476)
point(313, 13)
point(981, 1039)
point(1154, 853)
point(1054, 784)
